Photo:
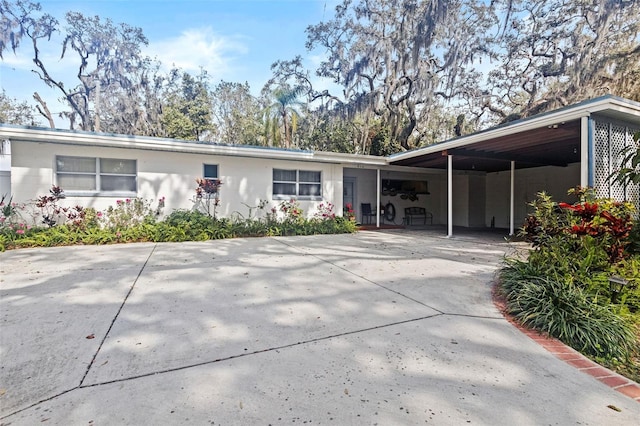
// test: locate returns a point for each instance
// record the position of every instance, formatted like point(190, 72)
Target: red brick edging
point(572, 357)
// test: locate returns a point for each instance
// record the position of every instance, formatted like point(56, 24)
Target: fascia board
point(622, 108)
point(150, 144)
point(342, 158)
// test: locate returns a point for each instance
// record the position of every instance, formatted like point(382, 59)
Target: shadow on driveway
point(389, 327)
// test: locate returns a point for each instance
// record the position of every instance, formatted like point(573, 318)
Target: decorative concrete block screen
point(610, 139)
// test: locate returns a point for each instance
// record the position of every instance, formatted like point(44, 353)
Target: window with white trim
point(305, 184)
point(96, 175)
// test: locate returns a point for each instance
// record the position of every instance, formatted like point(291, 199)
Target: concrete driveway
point(389, 328)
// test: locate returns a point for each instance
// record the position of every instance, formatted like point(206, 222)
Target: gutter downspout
point(449, 196)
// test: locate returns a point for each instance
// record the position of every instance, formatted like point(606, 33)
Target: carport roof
point(549, 139)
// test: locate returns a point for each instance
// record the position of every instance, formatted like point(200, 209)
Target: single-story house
point(485, 179)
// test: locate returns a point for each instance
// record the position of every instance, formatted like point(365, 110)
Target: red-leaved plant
point(207, 195)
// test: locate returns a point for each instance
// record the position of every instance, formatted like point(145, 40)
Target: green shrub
point(249, 227)
point(565, 312)
point(133, 220)
point(128, 213)
point(584, 244)
point(563, 288)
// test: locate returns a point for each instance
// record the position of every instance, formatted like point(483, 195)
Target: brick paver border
point(572, 357)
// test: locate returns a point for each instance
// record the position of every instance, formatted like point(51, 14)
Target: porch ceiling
point(556, 145)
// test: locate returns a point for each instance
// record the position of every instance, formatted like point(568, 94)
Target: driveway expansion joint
point(260, 351)
point(124, 301)
point(35, 404)
point(361, 277)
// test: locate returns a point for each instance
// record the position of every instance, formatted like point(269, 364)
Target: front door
point(349, 192)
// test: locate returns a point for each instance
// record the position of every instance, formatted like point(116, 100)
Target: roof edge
point(568, 113)
point(80, 138)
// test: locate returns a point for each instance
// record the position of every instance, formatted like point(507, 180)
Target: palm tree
point(281, 116)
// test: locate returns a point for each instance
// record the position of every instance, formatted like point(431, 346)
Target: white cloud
point(199, 47)
point(17, 60)
point(59, 68)
point(316, 59)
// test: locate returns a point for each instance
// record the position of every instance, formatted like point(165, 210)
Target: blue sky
point(234, 40)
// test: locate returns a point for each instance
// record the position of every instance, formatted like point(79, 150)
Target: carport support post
point(511, 198)
point(449, 195)
point(585, 150)
point(377, 198)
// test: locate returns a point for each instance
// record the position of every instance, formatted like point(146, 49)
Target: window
point(297, 183)
point(210, 171)
point(76, 173)
point(90, 174)
point(117, 175)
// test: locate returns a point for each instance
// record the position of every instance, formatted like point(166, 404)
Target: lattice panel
point(602, 159)
point(609, 142)
point(617, 143)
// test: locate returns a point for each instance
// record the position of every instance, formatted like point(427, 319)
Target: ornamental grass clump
point(567, 313)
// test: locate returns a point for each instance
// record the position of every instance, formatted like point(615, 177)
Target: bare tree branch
point(44, 111)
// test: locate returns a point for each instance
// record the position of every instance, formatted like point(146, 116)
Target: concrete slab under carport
point(404, 363)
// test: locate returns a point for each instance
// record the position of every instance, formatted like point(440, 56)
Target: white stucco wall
point(171, 175)
point(460, 200)
point(556, 181)
point(477, 200)
point(469, 194)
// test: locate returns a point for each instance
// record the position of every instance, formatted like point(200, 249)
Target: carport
point(575, 145)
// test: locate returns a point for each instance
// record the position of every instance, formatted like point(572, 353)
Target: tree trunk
point(44, 110)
